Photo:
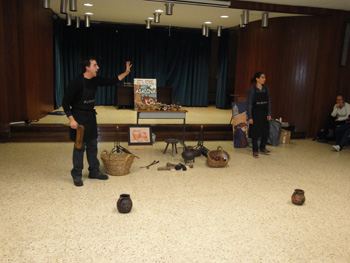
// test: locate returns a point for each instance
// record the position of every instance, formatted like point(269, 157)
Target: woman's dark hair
point(256, 76)
point(85, 62)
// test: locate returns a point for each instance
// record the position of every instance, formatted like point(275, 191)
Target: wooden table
point(170, 114)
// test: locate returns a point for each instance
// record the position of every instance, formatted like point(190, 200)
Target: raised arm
point(127, 71)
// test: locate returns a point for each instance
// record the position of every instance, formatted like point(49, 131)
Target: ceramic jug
point(124, 204)
point(298, 197)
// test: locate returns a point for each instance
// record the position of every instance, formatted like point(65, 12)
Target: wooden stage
point(216, 126)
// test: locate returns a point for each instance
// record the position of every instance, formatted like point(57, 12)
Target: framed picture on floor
point(139, 135)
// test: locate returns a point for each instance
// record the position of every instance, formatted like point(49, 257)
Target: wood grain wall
point(26, 69)
point(301, 59)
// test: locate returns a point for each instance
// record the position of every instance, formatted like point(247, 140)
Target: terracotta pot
point(298, 197)
point(124, 204)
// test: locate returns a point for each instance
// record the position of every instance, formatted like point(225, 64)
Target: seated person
point(342, 135)
point(340, 113)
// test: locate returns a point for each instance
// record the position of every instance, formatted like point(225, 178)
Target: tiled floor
point(240, 213)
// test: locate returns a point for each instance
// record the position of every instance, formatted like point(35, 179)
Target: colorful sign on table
point(145, 92)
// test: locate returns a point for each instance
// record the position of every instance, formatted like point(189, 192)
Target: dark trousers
point(331, 125)
point(78, 159)
point(262, 144)
point(342, 134)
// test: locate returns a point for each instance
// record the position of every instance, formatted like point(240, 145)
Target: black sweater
point(73, 95)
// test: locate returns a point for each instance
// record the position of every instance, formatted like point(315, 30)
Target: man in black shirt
point(78, 104)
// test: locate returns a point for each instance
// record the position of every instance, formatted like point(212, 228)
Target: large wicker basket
point(218, 158)
point(117, 163)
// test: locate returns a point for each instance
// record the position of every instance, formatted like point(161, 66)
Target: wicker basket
point(117, 163)
point(218, 158)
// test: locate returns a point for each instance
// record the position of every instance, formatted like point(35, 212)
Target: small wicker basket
point(218, 158)
point(117, 163)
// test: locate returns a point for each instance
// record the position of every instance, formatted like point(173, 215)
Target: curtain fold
point(179, 58)
point(221, 92)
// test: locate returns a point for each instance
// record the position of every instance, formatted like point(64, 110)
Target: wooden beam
point(289, 9)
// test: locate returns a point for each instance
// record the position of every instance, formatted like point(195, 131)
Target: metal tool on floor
point(173, 165)
point(148, 166)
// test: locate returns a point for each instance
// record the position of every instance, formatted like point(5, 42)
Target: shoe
point(78, 182)
point(99, 176)
point(336, 147)
point(255, 155)
point(267, 152)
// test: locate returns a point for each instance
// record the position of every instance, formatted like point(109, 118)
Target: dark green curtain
point(221, 92)
point(179, 58)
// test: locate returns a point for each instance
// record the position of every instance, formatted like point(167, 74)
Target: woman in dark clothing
point(259, 113)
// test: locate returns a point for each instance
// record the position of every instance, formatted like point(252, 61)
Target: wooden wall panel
point(27, 68)
point(297, 54)
point(38, 54)
point(10, 70)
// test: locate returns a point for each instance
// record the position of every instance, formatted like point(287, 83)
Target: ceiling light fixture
point(214, 3)
point(204, 29)
point(265, 19)
point(148, 24)
point(46, 4)
point(88, 4)
point(156, 17)
point(241, 22)
point(77, 22)
point(73, 5)
point(219, 31)
point(224, 16)
point(159, 11)
point(245, 18)
point(69, 19)
point(63, 8)
point(89, 13)
point(169, 8)
point(87, 21)
point(207, 22)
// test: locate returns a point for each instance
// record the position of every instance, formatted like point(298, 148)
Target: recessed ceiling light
point(208, 22)
point(159, 11)
point(150, 18)
point(88, 4)
point(89, 13)
point(224, 16)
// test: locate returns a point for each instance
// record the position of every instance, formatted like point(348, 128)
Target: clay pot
point(124, 204)
point(298, 197)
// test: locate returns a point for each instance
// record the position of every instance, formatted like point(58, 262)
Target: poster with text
point(145, 92)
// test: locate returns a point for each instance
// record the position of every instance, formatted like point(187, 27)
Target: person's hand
point(73, 124)
point(268, 118)
point(337, 105)
point(128, 67)
point(250, 121)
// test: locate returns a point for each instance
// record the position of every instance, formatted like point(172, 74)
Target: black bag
point(275, 129)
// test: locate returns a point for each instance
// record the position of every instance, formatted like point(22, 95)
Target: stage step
point(60, 133)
